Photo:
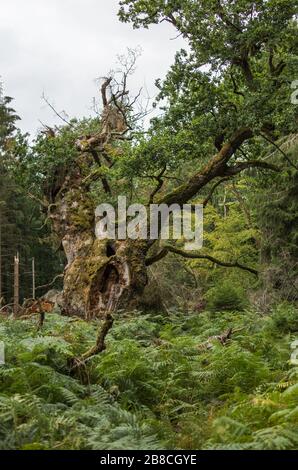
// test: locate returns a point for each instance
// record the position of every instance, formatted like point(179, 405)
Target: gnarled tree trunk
point(103, 278)
point(101, 275)
point(104, 275)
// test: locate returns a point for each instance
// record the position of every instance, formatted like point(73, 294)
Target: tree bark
point(101, 275)
point(96, 283)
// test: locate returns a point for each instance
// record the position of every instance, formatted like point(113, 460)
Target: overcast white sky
point(59, 47)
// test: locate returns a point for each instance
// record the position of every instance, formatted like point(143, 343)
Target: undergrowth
point(162, 383)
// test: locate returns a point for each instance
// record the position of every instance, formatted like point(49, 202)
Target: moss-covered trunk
point(101, 275)
point(104, 277)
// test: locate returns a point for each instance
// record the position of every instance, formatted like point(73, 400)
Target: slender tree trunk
point(16, 286)
point(33, 278)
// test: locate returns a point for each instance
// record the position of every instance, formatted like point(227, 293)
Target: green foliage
point(226, 296)
point(50, 155)
point(247, 50)
point(169, 381)
point(43, 407)
point(8, 119)
point(163, 382)
point(285, 318)
point(21, 222)
point(277, 214)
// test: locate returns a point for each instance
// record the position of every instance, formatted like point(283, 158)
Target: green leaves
point(8, 119)
point(154, 387)
point(236, 73)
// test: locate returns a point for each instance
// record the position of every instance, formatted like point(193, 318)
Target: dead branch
point(222, 338)
point(59, 276)
point(5, 308)
point(100, 341)
point(114, 122)
point(56, 112)
point(77, 363)
point(48, 131)
point(104, 88)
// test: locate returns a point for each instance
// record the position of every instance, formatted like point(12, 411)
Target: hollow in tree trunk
point(101, 275)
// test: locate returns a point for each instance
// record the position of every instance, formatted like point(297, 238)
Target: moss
point(81, 209)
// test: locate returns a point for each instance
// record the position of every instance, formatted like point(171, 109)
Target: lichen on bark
point(100, 275)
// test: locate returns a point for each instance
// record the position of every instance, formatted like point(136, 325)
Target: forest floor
point(164, 382)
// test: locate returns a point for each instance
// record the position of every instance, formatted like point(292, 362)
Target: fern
point(152, 388)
